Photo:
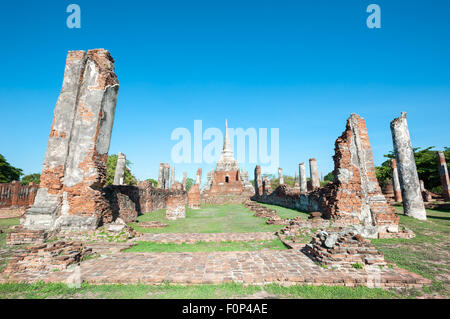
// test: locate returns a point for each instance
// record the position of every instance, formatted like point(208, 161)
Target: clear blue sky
point(300, 66)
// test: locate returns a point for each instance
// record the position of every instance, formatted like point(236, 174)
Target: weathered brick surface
point(206, 237)
point(17, 195)
point(20, 236)
point(45, 258)
point(194, 197)
point(176, 205)
point(74, 169)
point(256, 267)
point(343, 249)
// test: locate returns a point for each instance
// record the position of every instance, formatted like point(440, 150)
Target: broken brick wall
point(194, 197)
point(354, 197)
point(16, 195)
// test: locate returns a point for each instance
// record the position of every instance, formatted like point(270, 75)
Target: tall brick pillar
point(258, 181)
point(74, 168)
point(396, 181)
point(315, 183)
point(184, 180)
point(409, 179)
point(302, 178)
point(15, 193)
point(443, 173)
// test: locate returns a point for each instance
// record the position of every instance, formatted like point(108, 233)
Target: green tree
point(427, 167)
point(152, 181)
point(8, 173)
point(128, 178)
point(35, 178)
point(189, 183)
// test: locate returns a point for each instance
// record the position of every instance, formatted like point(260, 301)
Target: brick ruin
point(354, 197)
point(176, 205)
point(17, 195)
point(227, 183)
point(194, 192)
point(74, 169)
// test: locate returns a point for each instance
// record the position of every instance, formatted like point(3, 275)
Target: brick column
point(396, 181)
point(15, 187)
point(409, 179)
point(258, 181)
point(443, 173)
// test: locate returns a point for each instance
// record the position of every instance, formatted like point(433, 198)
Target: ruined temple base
point(285, 267)
point(343, 249)
point(21, 236)
point(176, 206)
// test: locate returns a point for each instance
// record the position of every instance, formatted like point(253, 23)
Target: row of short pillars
point(302, 183)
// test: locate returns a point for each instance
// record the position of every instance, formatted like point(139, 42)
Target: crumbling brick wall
point(354, 197)
point(17, 195)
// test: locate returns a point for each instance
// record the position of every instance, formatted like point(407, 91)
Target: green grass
point(209, 219)
point(168, 291)
point(329, 292)
point(5, 223)
point(284, 212)
point(427, 253)
point(145, 246)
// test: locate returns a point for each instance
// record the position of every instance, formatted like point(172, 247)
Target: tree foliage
point(153, 182)
point(8, 173)
point(426, 163)
point(189, 183)
point(35, 178)
point(128, 178)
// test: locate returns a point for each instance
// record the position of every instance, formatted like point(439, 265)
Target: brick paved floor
point(206, 237)
point(255, 267)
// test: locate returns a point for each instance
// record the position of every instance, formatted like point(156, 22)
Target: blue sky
point(300, 66)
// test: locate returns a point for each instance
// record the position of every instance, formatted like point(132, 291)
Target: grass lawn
point(145, 246)
point(167, 291)
point(427, 254)
point(232, 218)
point(287, 212)
point(5, 251)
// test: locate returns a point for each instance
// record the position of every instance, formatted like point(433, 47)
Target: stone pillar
point(280, 176)
point(163, 177)
point(409, 179)
point(396, 181)
point(302, 178)
point(74, 169)
point(443, 173)
point(184, 180)
point(258, 181)
point(120, 169)
point(315, 183)
point(198, 179)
